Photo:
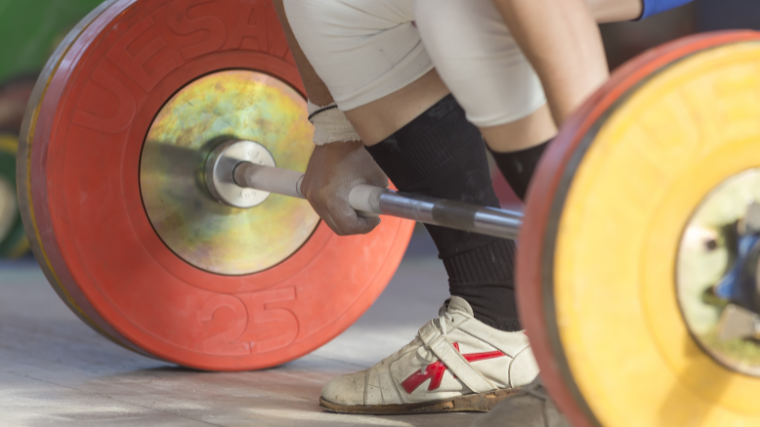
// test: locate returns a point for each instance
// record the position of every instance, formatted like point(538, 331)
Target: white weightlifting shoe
point(456, 363)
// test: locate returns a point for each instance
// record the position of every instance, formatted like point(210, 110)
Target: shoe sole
point(482, 402)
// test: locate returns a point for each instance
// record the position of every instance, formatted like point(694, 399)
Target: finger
point(377, 177)
point(347, 220)
point(366, 225)
point(379, 180)
point(334, 225)
point(323, 211)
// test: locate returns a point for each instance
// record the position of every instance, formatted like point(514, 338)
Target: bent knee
point(362, 50)
point(479, 60)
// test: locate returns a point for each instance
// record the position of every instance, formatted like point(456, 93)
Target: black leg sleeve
point(518, 166)
point(440, 154)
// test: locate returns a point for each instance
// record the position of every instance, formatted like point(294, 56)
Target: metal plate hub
point(707, 259)
point(221, 167)
point(255, 230)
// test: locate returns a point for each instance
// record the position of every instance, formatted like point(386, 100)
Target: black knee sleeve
point(440, 154)
point(518, 166)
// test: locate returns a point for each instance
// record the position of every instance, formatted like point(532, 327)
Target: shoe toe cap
point(346, 389)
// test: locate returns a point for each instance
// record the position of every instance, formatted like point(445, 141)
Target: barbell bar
point(232, 174)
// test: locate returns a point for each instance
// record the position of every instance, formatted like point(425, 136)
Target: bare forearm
point(615, 10)
point(315, 87)
point(562, 41)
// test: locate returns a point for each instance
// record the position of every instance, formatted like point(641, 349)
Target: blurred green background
point(30, 30)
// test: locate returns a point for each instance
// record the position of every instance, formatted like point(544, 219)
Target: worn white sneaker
point(456, 363)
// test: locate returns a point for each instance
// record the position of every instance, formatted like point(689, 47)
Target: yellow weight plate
point(680, 135)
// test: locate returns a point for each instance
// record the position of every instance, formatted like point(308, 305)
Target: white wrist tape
point(330, 124)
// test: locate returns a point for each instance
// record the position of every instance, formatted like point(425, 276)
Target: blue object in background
point(740, 283)
point(654, 7)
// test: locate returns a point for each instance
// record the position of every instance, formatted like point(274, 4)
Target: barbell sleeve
point(268, 178)
point(369, 200)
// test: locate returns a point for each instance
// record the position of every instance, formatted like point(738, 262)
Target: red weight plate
point(72, 297)
point(545, 203)
point(86, 210)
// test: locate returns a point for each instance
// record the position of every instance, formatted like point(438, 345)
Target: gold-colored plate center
point(238, 104)
point(704, 257)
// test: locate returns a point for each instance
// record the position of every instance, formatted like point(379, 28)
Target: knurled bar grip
point(369, 200)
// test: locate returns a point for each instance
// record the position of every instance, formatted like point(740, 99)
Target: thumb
point(378, 180)
point(365, 225)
